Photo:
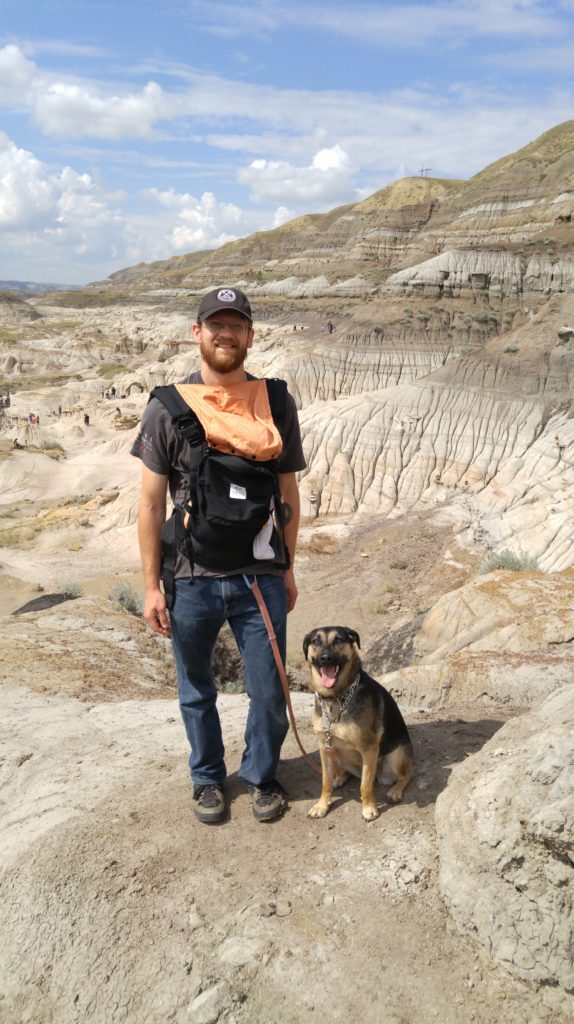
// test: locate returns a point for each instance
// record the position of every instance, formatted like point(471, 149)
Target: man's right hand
point(155, 612)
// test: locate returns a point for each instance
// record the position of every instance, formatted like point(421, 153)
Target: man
point(224, 333)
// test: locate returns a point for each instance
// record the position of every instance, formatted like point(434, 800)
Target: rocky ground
point(118, 906)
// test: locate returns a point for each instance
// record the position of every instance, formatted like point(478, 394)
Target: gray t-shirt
point(162, 449)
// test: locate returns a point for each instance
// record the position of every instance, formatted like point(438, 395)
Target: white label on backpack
point(235, 491)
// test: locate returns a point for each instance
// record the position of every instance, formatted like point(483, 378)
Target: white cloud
point(17, 75)
point(201, 223)
point(407, 25)
point(58, 217)
point(28, 196)
point(328, 179)
point(282, 215)
point(68, 110)
point(539, 59)
point(205, 223)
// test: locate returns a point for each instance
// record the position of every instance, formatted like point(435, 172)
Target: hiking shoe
point(267, 800)
point(208, 803)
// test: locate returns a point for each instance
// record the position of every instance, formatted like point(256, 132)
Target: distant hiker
point(59, 410)
point(86, 419)
point(330, 327)
point(224, 415)
point(113, 391)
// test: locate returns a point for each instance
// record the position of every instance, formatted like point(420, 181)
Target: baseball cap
point(224, 298)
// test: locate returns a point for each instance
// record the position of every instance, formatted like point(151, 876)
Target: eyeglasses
point(218, 326)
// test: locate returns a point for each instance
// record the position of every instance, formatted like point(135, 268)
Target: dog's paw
point(395, 794)
point(341, 779)
point(370, 812)
point(318, 810)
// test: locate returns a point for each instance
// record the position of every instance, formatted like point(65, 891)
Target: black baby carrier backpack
point(232, 506)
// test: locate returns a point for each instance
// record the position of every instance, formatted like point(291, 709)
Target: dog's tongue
point(328, 676)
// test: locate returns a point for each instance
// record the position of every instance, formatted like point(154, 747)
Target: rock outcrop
point(498, 274)
point(506, 833)
point(504, 637)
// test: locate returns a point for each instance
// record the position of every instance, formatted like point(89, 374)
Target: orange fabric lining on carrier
point(237, 418)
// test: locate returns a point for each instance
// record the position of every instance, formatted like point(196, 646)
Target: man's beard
point(222, 362)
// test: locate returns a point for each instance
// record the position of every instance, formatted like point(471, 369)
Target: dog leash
point(281, 669)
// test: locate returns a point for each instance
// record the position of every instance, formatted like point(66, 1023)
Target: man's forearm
point(290, 495)
point(150, 522)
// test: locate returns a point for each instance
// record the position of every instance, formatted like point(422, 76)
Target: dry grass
point(19, 534)
point(320, 544)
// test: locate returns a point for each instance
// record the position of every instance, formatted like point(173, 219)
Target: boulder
point(505, 824)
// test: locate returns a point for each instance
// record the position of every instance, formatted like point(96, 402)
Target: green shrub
point(506, 559)
point(237, 686)
point(71, 588)
point(124, 595)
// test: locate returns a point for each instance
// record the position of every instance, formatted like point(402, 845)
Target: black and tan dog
point(358, 724)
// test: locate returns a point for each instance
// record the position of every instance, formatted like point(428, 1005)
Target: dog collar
point(329, 719)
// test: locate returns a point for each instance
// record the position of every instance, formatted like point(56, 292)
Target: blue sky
point(133, 130)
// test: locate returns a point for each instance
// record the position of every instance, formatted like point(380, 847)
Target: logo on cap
point(226, 295)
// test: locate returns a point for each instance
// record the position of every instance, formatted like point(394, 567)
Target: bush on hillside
point(124, 595)
point(70, 588)
point(506, 559)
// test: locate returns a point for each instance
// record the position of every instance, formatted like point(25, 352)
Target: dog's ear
point(307, 640)
point(353, 637)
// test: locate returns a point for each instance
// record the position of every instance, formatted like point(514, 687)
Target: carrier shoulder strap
point(277, 394)
point(182, 417)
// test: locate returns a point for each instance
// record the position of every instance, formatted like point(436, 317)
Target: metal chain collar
point(327, 718)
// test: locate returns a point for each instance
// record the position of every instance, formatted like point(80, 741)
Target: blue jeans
point(199, 611)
